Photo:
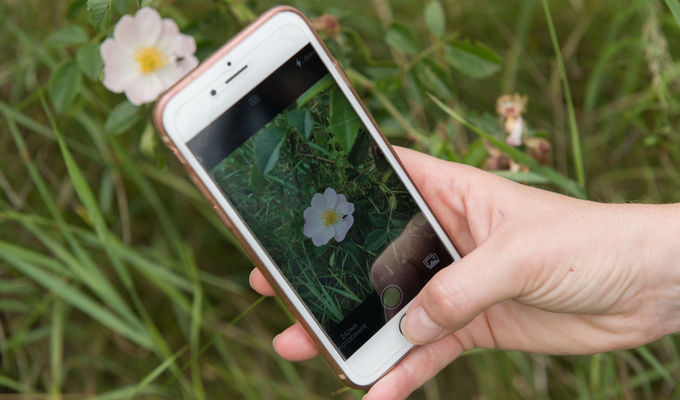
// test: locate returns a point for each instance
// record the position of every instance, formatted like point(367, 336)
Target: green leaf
point(122, 117)
point(256, 178)
point(309, 124)
point(476, 153)
point(392, 201)
point(267, 147)
point(414, 90)
point(67, 36)
point(375, 240)
point(301, 121)
point(474, 60)
point(434, 18)
point(344, 123)
point(360, 149)
point(64, 85)
point(674, 6)
point(99, 12)
point(89, 60)
point(435, 78)
point(75, 8)
point(400, 37)
point(382, 71)
point(147, 142)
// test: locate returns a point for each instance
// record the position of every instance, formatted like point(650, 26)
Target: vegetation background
point(118, 281)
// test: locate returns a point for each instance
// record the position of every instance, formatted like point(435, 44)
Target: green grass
point(118, 281)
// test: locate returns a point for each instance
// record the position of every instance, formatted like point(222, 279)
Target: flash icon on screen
point(298, 63)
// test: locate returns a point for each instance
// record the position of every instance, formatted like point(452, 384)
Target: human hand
point(543, 273)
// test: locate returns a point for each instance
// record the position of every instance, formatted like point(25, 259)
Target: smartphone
point(272, 133)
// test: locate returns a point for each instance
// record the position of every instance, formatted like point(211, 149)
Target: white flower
point(146, 55)
point(330, 216)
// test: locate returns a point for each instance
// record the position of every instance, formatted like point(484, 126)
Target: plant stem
point(573, 127)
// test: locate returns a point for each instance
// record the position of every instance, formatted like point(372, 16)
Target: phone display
point(294, 160)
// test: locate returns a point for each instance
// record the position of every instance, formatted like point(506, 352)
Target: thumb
point(463, 290)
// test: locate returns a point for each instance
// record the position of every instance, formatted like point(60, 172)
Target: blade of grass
point(195, 329)
point(553, 176)
point(90, 203)
point(37, 225)
point(523, 177)
point(57, 347)
point(23, 333)
point(88, 199)
point(412, 131)
point(155, 373)
point(77, 299)
point(573, 126)
point(96, 281)
point(655, 363)
point(230, 324)
point(674, 6)
point(12, 384)
point(52, 207)
point(148, 392)
point(602, 69)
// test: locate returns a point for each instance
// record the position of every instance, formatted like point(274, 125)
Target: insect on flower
point(146, 55)
point(511, 108)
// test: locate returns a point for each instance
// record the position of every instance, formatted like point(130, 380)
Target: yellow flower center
point(150, 59)
point(330, 217)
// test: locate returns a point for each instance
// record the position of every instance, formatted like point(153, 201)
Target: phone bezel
point(183, 112)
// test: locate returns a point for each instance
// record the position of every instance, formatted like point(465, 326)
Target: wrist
point(660, 239)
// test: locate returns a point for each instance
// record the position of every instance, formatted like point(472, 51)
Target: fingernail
point(419, 328)
point(274, 341)
point(250, 278)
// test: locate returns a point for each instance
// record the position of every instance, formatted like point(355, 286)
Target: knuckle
point(444, 302)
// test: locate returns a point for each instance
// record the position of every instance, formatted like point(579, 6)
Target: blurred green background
point(118, 281)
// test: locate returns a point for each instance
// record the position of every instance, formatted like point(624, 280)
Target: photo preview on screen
point(301, 169)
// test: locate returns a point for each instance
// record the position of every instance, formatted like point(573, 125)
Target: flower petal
point(144, 89)
point(119, 67)
point(312, 228)
point(330, 198)
point(344, 207)
point(176, 70)
point(149, 27)
point(307, 214)
point(341, 227)
point(322, 236)
point(172, 42)
point(317, 202)
point(125, 33)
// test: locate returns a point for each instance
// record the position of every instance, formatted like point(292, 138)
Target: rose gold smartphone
point(272, 133)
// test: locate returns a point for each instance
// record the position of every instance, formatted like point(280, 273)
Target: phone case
point(157, 116)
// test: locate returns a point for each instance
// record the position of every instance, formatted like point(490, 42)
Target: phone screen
point(298, 165)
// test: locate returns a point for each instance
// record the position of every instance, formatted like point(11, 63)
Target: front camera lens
point(213, 92)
